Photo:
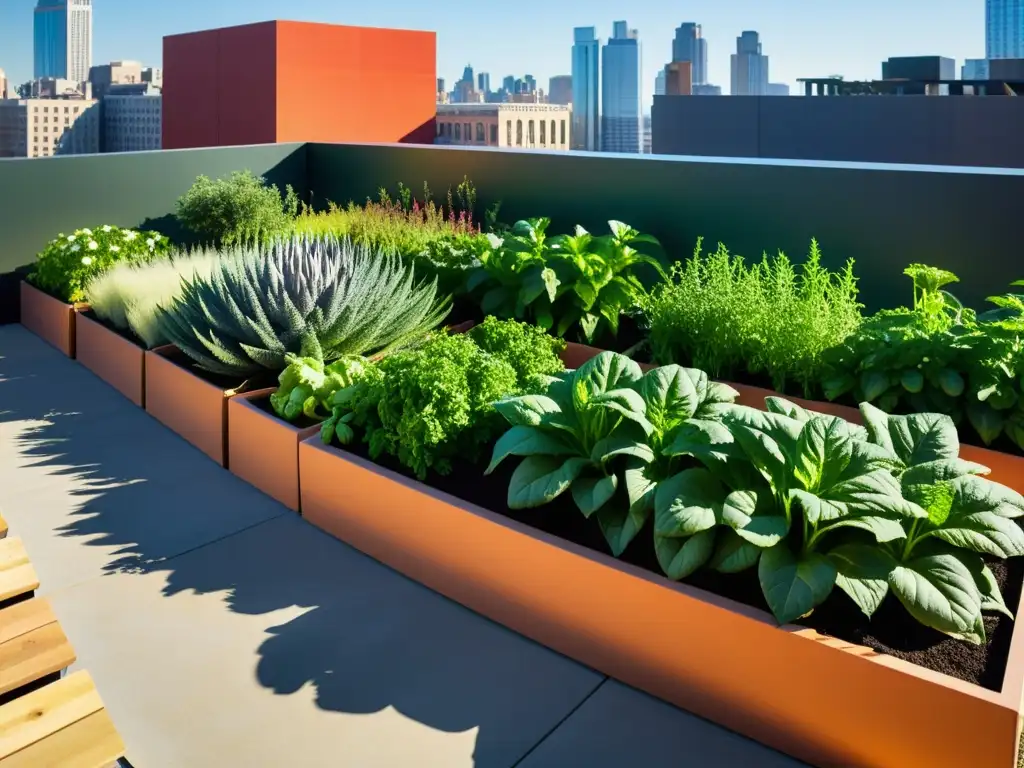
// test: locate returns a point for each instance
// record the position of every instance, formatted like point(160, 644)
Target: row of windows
point(464, 132)
point(56, 110)
point(67, 120)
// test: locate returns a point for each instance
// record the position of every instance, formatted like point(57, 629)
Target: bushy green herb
point(241, 208)
point(310, 297)
point(532, 353)
point(307, 385)
point(433, 404)
point(69, 262)
point(723, 316)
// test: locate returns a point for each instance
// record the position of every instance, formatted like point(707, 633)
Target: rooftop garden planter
point(50, 319)
point(112, 356)
point(264, 449)
point(811, 696)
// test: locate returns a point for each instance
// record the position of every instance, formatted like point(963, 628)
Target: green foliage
point(723, 316)
point(308, 296)
point(69, 262)
point(598, 432)
point(239, 209)
point(561, 282)
point(431, 405)
point(531, 352)
point(129, 295)
point(306, 386)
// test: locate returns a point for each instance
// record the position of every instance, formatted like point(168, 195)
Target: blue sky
point(803, 38)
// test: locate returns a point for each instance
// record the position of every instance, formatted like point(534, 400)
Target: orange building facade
point(283, 81)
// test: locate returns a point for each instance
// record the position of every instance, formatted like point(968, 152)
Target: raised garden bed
point(113, 356)
point(50, 319)
point(264, 449)
point(819, 698)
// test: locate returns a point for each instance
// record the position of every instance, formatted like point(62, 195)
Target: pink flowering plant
point(69, 262)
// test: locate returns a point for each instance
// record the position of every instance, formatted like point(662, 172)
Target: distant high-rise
point(621, 77)
point(483, 82)
point(586, 116)
point(749, 67)
point(530, 83)
point(440, 85)
point(777, 89)
point(659, 83)
point(62, 39)
point(560, 89)
point(509, 84)
point(1004, 29)
point(689, 45)
point(678, 78)
point(974, 69)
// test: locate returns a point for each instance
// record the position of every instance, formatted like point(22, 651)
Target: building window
point(47, 109)
point(440, 128)
point(519, 133)
point(532, 139)
point(458, 131)
point(494, 135)
point(480, 133)
point(553, 134)
point(508, 133)
point(562, 133)
point(467, 131)
point(543, 137)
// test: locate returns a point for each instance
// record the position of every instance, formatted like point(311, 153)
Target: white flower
point(130, 235)
point(63, 246)
point(87, 260)
point(151, 242)
point(86, 231)
point(75, 248)
point(93, 245)
point(114, 249)
point(71, 238)
point(107, 227)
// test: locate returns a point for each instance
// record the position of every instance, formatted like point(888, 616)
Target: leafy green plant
point(598, 429)
point(532, 353)
point(129, 295)
point(239, 209)
point(431, 405)
point(306, 386)
point(311, 297)
point(718, 314)
point(69, 262)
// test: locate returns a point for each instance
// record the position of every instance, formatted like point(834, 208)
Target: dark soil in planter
point(233, 383)
point(891, 631)
point(124, 333)
point(463, 310)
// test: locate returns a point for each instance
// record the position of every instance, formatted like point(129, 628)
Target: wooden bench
point(33, 648)
point(18, 580)
point(61, 725)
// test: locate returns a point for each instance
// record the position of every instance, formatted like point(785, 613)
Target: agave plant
point(311, 296)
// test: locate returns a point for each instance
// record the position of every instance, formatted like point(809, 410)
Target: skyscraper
point(586, 130)
point(560, 89)
point(689, 45)
point(659, 83)
point(1004, 29)
point(749, 67)
point(62, 39)
point(621, 114)
point(484, 83)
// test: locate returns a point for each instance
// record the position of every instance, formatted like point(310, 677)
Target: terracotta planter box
point(1007, 468)
point(194, 408)
point(48, 318)
point(819, 699)
point(118, 361)
point(264, 449)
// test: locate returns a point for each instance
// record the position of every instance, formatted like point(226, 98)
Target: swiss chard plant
point(598, 434)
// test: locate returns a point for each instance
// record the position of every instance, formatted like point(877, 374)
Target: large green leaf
point(672, 394)
point(875, 493)
point(529, 441)
point(679, 558)
point(940, 471)
point(539, 480)
point(621, 443)
point(606, 372)
point(592, 493)
point(620, 525)
point(528, 410)
point(940, 592)
point(688, 503)
point(980, 518)
point(794, 586)
point(733, 554)
point(498, 301)
point(913, 439)
point(985, 580)
point(823, 453)
point(754, 517)
point(863, 573)
point(640, 486)
point(766, 439)
point(884, 529)
point(702, 439)
point(626, 402)
point(986, 420)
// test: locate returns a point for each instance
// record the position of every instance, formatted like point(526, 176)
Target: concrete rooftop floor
point(222, 630)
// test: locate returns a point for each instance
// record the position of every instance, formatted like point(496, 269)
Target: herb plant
point(239, 209)
point(721, 315)
point(312, 297)
point(307, 385)
point(69, 262)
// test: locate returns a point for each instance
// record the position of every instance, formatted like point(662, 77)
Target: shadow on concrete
point(148, 502)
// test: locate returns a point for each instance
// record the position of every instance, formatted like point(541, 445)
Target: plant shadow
point(145, 502)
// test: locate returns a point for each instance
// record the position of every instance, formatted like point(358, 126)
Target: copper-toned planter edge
point(118, 361)
point(816, 698)
point(49, 318)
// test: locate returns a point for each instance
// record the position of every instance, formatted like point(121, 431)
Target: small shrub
point(241, 208)
point(70, 261)
point(718, 314)
point(129, 295)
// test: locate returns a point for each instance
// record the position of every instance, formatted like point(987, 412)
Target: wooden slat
point(17, 576)
point(32, 644)
point(92, 742)
point(36, 715)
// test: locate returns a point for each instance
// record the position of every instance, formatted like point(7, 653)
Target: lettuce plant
point(598, 429)
point(307, 385)
point(307, 296)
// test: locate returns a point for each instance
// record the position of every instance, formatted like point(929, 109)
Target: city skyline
point(801, 36)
